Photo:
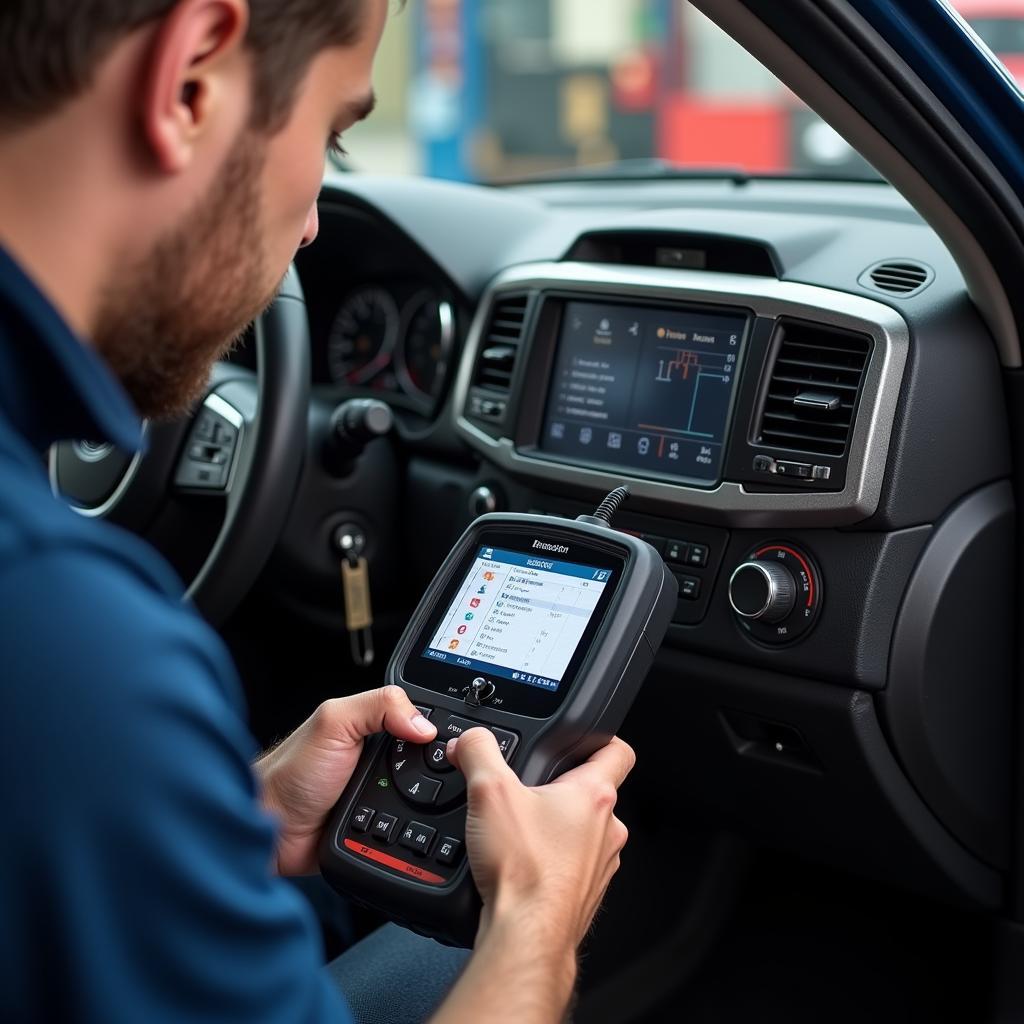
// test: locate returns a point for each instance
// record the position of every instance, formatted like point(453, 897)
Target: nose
point(312, 227)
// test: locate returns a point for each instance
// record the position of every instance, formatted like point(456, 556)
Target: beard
point(166, 321)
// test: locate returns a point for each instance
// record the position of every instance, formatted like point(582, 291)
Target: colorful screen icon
point(469, 616)
point(453, 645)
point(474, 602)
point(488, 576)
point(461, 630)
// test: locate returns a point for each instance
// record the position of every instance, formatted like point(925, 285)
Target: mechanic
point(159, 165)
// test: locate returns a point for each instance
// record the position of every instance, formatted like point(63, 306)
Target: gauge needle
point(370, 370)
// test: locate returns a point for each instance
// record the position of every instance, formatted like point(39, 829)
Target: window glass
point(500, 90)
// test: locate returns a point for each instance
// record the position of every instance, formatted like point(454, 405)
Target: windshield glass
point(505, 90)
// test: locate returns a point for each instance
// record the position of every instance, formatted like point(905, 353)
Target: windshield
point(506, 90)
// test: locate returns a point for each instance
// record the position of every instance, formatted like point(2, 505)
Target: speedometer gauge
point(426, 346)
point(363, 337)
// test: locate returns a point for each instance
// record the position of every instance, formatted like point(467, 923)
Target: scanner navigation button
point(420, 790)
point(437, 758)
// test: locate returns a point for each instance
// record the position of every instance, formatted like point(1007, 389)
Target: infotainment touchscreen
point(645, 388)
point(519, 616)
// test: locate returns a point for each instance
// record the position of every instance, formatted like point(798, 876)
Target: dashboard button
point(689, 588)
point(449, 851)
point(384, 827)
point(763, 464)
point(800, 470)
point(417, 837)
point(676, 551)
point(362, 819)
point(698, 556)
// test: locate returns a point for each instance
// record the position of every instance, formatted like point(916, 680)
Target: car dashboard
point(808, 412)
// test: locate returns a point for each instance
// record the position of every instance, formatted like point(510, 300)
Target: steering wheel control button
point(384, 827)
point(506, 741)
point(420, 790)
point(449, 851)
point(362, 819)
point(437, 757)
point(417, 837)
point(480, 691)
point(210, 450)
point(776, 593)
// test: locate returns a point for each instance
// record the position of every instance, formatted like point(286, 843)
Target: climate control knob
point(765, 591)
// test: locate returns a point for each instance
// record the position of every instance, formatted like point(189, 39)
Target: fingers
point(475, 753)
point(363, 714)
point(611, 764)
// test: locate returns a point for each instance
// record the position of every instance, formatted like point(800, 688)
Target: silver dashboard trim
point(729, 502)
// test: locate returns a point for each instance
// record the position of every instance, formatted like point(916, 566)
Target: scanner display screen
point(519, 616)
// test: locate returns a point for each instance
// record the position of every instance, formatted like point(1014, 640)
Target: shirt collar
point(52, 385)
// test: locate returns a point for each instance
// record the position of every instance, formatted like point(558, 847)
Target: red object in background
point(748, 136)
point(635, 81)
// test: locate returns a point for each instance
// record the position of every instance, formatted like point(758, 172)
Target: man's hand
point(542, 859)
point(304, 775)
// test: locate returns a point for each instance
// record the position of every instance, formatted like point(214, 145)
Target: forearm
point(520, 973)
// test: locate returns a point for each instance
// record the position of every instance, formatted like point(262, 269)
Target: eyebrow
point(362, 108)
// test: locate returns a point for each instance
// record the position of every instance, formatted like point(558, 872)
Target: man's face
point(163, 323)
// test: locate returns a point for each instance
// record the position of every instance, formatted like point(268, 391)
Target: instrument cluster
point(392, 341)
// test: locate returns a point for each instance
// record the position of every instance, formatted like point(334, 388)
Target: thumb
point(475, 753)
point(387, 708)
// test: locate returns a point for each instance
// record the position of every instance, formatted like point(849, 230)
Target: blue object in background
point(447, 101)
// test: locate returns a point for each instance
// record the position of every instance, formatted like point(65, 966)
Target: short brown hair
point(50, 49)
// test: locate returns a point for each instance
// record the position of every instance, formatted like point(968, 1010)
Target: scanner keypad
point(417, 775)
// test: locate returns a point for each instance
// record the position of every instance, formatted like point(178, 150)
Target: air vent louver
point(898, 277)
point(500, 348)
point(813, 390)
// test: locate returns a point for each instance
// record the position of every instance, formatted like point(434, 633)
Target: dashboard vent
point(814, 386)
point(501, 343)
point(898, 277)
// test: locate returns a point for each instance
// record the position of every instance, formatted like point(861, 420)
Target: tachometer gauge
point(423, 356)
point(363, 336)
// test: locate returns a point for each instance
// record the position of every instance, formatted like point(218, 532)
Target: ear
point(194, 54)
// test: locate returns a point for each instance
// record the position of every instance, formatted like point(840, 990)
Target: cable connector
point(603, 513)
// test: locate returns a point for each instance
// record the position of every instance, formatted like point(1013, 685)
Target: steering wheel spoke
point(244, 445)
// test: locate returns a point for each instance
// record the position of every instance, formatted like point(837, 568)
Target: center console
point(745, 399)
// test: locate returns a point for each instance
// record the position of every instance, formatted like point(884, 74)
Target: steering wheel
point(240, 453)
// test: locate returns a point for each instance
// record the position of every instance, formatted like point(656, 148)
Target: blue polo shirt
point(135, 862)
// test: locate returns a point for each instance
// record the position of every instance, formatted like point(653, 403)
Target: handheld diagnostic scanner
point(538, 628)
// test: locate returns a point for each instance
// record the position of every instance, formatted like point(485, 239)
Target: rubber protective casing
point(592, 711)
